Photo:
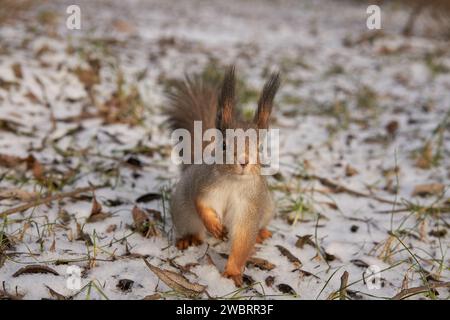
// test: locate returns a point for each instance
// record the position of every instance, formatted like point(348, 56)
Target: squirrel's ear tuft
point(265, 102)
point(226, 101)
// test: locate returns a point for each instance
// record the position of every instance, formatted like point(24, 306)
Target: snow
point(306, 42)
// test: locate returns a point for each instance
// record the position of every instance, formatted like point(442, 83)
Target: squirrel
point(224, 199)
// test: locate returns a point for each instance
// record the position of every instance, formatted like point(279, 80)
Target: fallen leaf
point(53, 246)
point(425, 158)
point(2, 259)
point(123, 26)
point(125, 285)
point(18, 194)
point(328, 256)
point(133, 161)
point(4, 295)
point(17, 69)
point(155, 214)
point(56, 295)
point(307, 273)
point(8, 84)
point(302, 240)
point(32, 97)
point(176, 281)
point(285, 252)
point(392, 128)
point(142, 223)
point(247, 280)
point(424, 190)
point(111, 228)
point(64, 216)
point(149, 197)
point(36, 167)
point(96, 207)
point(96, 212)
point(9, 161)
point(260, 263)
point(359, 263)
point(88, 77)
point(5, 242)
point(422, 289)
point(32, 269)
point(285, 288)
point(155, 296)
point(439, 233)
point(270, 281)
point(350, 171)
point(81, 235)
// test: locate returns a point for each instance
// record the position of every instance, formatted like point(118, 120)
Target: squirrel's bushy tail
point(192, 100)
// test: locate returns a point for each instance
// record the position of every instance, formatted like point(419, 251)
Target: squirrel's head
point(242, 143)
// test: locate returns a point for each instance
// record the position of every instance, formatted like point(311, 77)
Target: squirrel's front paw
point(215, 227)
point(210, 220)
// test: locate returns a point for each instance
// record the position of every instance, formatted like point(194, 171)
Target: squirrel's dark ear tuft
point(265, 102)
point(226, 100)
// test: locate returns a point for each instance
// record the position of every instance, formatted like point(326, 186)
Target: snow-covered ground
point(366, 110)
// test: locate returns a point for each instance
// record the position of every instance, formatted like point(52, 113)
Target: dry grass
point(12, 9)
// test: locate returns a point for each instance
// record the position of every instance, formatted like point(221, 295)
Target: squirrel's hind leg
point(263, 234)
point(189, 240)
point(243, 242)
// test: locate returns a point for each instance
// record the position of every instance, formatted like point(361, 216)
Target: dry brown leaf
point(4, 295)
point(2, 260)
point(5, 242)
point(287, 289)
point(17, 69)
point(96, 212)
point(96, 207)
point(111, 228)
point(392, 128)
point(88, 77)
point(32, 269)
point(176, 281)
point(302, 240)
point(422, 289)
point(56, 295)
point(149, 197)
point(53, 246)
point(260, 263)
point(285, 252)
point(425, 159)
point(155, 296)
point(32, 97)
point(142, 223)
point(9, 161)
point(428, 189)
point(36, 167)
point(123, 26)
point(270, 280)
point(350, 171)
point(18, 194)
point(81, 235)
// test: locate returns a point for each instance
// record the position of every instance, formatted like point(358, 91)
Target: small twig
point(46, 200)
point(340, 188)
point(430, 210)
point(405, 293)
